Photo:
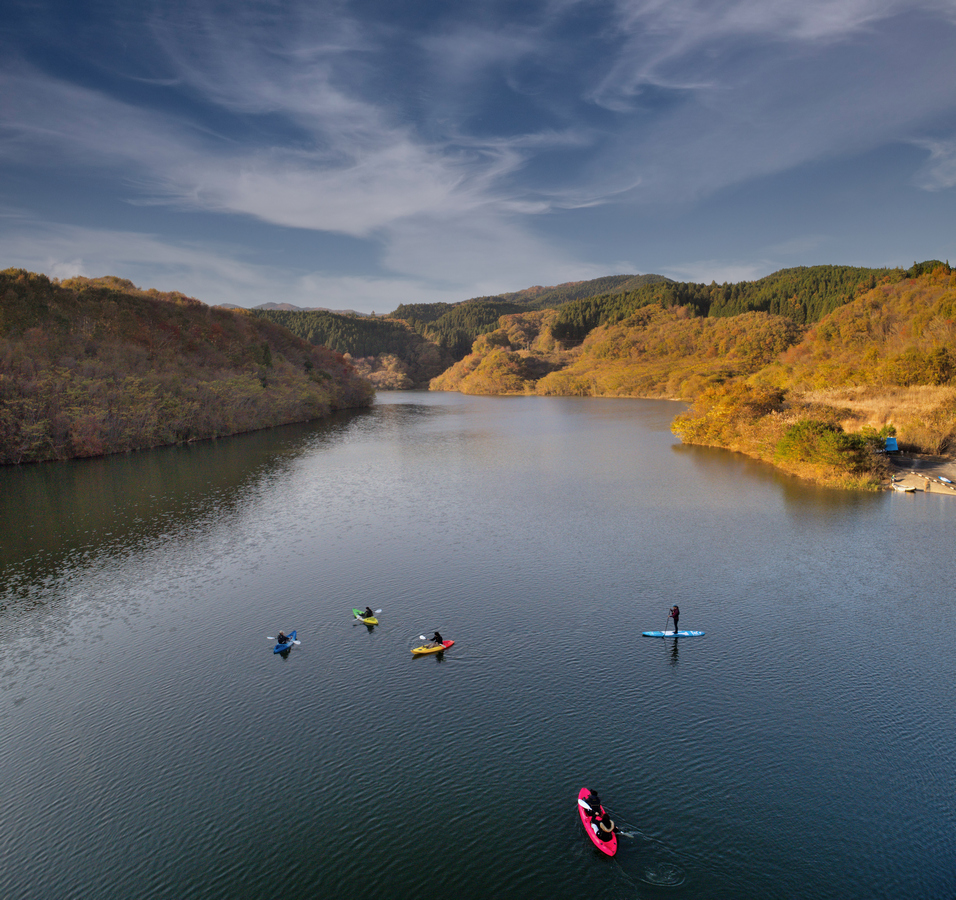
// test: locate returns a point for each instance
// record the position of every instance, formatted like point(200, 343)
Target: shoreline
point(922, 473)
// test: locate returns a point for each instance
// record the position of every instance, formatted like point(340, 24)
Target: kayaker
point(594, 801)
point(368, 614)
point(606, 827)
point(282, 638)
point(675, 615)
point(437, 639)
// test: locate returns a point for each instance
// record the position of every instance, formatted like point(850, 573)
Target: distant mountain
point(538, 297)
point(291, 307)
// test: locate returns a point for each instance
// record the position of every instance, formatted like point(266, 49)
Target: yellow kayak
point(371, 620)
point(432, 648)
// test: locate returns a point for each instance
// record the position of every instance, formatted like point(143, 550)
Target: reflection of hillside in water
point(730, 472)
point(56, 514)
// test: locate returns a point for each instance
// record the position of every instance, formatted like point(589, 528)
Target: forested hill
point(454, 326)
point(355, 335)
point(549, 297)
point(803, 295)
point(418, 341)
point(536, 297)
point(389, 351)
point(96, 366)
point(814, 399)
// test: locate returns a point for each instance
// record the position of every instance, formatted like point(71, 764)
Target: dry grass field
point(923, 415)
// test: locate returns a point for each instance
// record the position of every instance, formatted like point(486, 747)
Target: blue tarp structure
point(891, 446)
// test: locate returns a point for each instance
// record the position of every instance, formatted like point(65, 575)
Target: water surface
point(153, 746)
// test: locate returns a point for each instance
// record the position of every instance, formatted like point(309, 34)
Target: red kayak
point(605, 840)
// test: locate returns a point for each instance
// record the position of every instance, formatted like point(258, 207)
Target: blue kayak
point(282, 648)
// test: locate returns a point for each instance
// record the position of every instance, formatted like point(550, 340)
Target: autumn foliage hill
point(96, 366)
point(817, 399)
point(882, 365)
point(655, 352)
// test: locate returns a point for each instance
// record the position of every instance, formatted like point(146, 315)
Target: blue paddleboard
point(280, 648)
point(673, 633)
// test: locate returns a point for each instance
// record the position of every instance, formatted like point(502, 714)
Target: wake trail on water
point(651, 865)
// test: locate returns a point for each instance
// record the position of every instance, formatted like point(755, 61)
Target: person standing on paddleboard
point(675, 615)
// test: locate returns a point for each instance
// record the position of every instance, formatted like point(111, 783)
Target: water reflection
point(727, 470)
point(502, 520)
point(57, 515)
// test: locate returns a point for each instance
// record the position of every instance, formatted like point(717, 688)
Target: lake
point(153, 746)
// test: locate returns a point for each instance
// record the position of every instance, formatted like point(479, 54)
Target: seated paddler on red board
point(605, 826)
point(602, 824)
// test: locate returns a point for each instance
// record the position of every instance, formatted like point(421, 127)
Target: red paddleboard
point(608, 846)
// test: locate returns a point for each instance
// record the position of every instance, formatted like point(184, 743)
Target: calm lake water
point(152, 746)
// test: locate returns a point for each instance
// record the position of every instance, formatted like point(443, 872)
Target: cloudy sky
point(358, 154)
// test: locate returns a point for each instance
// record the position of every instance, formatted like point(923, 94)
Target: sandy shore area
point(923, 473)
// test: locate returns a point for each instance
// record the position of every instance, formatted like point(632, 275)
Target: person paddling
point(368, 614)
point(282, 638)
point(602, 823)
point(605, 826)
point(437, 639)
point(594, 801)
point(675, 615)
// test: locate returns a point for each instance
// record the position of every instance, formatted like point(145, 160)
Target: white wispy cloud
point(766, 87)
point(303, 115)
point(939, 171)
point(486, 251)
point(352, 190)
point(485, 261)
point(213, 274)
point(62, 251)
point(663, 37)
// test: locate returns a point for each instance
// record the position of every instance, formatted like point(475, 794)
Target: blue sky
point(358, 155)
